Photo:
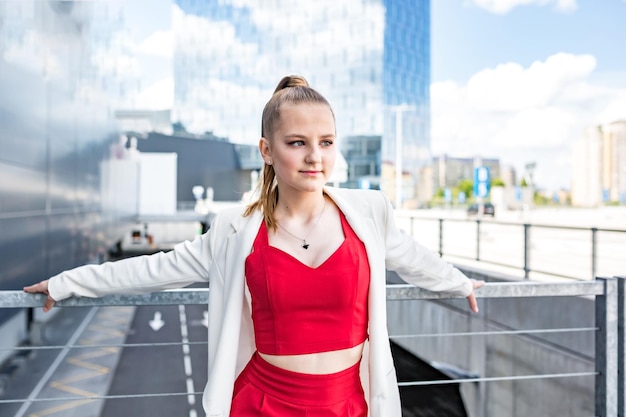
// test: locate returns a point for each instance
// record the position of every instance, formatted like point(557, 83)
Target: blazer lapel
point(364, 227)
point(239, 247)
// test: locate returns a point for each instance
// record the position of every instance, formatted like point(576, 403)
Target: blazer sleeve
point(187, 263)
point(418, 265)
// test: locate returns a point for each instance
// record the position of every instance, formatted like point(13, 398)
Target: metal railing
point(581, 244)
point(610, 338)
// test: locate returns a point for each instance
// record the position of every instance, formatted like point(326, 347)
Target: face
point(302, 148)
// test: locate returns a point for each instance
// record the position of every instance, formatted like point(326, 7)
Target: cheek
point(330, 158)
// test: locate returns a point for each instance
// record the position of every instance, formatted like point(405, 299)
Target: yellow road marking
point(106, 317)
point(62, 407)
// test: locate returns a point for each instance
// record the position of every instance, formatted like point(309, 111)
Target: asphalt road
point(173, 369)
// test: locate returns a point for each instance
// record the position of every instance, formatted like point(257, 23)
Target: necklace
point(305, 244)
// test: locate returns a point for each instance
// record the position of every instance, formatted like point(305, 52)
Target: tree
point(497, 182)
point(467, 186)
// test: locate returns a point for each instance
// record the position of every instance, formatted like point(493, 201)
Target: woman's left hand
point(471, 299)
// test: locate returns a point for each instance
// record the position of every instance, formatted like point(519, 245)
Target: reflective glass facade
point(55, 129)
point(365, 56)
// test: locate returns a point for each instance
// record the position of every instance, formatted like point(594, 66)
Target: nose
point(314, 155)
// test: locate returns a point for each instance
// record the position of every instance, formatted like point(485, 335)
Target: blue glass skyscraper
point(366, 56)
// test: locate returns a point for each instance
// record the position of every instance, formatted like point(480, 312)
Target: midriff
point(317, 363)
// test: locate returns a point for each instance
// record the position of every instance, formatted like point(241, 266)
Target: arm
point(187, 263)
point(419, 266)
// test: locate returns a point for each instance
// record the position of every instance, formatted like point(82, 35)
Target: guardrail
point(610, 338)
point(580, 246)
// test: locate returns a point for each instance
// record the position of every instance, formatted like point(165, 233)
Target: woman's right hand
point(42, 287)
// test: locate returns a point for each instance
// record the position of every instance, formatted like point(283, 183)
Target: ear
point(264, 148)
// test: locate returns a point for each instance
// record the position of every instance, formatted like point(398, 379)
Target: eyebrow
point(299, 136)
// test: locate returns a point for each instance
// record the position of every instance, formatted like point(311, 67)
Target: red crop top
point(297, 309)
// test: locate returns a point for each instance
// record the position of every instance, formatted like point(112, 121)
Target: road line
point(191, 398)
point(187, 360)
point(59, 359)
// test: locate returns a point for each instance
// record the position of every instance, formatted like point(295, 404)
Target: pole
point(398, 198)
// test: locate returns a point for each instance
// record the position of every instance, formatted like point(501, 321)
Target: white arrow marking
point(156, 323)
point(205, 320)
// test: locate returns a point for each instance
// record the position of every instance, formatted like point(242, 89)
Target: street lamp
point(398, 110)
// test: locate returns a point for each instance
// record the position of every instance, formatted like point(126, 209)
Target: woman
point(297, 302)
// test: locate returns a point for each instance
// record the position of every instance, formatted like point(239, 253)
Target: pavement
point(55, 380)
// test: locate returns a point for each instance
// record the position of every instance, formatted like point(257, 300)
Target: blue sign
point(461, 197)
point(482, 181)
point(447, 195)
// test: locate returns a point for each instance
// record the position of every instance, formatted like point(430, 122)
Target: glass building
point(368, 57)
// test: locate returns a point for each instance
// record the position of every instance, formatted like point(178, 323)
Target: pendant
point(305, 245)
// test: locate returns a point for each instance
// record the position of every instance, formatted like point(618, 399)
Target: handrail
point(20, 299)
point(526, 229)
point(395, 292)
point(610, 295)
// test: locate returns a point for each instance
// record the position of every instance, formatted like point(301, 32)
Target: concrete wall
point(507, 355)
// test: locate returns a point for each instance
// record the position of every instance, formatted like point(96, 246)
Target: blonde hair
point(292, 89)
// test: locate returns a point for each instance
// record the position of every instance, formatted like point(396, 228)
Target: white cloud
point(159, 44)
point(157, 96)
point(505, 6)
point(511, 87)
point(540, 127)
point(515, 113)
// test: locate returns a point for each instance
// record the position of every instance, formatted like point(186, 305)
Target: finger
point(40, 287)
point(48, 304)
point(33, 288)
point(473, 303)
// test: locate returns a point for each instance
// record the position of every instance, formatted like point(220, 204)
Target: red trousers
point(264, 390)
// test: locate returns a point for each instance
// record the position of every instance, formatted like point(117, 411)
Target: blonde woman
point(297, 302)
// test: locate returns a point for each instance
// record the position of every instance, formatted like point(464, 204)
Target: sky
point(521, 80)
point(516, 80)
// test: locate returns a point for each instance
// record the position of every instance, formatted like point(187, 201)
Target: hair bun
point(291, 81)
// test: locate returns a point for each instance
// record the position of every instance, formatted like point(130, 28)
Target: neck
point(304, 206)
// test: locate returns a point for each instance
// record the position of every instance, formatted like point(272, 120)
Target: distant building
point(449, 171)
point(144, 121)
point(362, 155)
point(614, 161)
point(226, 167)
point(508, 175)
point(366, 57)
point(599, 161)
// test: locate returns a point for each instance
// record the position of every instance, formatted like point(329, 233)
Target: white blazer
point(219, 256)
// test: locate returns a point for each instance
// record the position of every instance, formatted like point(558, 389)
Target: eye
point(327, 142)
point(296, 143)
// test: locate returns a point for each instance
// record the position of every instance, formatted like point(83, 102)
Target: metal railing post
point(440, 237)
point(606, 350)
point(478, 239)
point(594, 251)
point(526, 250)
point(621, 346)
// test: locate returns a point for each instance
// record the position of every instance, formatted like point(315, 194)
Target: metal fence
point(560, 251)
point(610, 338)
